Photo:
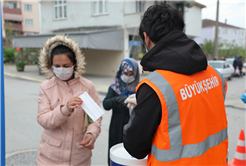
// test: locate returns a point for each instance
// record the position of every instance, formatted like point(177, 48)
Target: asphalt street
point(23, 132)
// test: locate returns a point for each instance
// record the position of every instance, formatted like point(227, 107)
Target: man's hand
point(131, 100)
point(88, 141)
point(73, 102)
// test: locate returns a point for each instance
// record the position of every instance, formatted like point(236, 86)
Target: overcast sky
point(232, 10)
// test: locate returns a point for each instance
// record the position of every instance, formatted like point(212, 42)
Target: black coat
point(120, 117)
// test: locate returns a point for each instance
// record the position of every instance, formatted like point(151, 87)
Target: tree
point(9, 54)
point(10, 32)
point(208, 47)
point(225, 49)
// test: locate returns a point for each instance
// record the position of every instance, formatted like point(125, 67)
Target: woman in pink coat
point(68, 137)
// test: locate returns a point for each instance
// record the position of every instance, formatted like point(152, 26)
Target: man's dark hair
point(159, 20)
point(61, 49)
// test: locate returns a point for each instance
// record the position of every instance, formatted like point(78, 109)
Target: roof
point(210, 23)
point(199, 4)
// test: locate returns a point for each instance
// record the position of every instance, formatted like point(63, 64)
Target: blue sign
point(135, 43)
point(2, 114)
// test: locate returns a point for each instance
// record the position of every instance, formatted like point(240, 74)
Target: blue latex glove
point(243, 97)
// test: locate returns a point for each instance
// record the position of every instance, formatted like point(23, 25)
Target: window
point(224, 31)
point(12, 5)
point(60, 9)
point(28, 7)
point(234, 32)
point(242, 33)
point(29, 22)
point(139, 6)
point(100, 7)
point(242, 42)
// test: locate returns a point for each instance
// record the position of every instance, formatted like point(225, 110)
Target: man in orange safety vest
point(179, 115)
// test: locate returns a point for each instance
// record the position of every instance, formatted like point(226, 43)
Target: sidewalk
point(31, 73)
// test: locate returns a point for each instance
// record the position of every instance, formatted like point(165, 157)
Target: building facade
point(227, 34)
point(19, 18)
point(68, 17)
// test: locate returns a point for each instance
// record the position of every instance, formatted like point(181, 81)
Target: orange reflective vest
point(193, 127)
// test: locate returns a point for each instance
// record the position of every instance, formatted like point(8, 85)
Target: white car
point(223, 67)
point(230, 60)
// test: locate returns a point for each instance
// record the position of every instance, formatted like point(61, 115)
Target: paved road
point(23, 132)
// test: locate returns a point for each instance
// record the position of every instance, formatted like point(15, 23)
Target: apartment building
point(226, 34)
point(19, 18)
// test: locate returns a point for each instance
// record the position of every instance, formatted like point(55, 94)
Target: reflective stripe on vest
point(177, 151)
point(223, 82)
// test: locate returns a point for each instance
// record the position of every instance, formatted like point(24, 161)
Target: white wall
point(209, 34)
point(79, 14)
point(129, 7)
point(132, 20)
point(100, 62)
point(193, 21)
point(126, 44)
point(46, 19)
point(206, 33)
point(230, 36)
point(120, 14)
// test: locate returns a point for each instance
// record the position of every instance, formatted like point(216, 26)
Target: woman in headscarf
point(124, 85)
point(68, 137)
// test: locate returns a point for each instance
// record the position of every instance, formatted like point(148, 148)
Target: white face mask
point(63, 73)
point(127, 79)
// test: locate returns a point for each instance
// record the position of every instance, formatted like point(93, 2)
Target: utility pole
point(216, 32)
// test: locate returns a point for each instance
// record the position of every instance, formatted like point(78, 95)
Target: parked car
point(230, 60)
point(223, 67)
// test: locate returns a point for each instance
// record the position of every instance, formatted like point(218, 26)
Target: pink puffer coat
point(63, 131)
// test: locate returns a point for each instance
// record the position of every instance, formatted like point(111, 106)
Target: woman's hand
point(73, 102)
point(88, 141)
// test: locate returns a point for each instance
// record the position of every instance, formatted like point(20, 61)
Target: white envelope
point(91, 107)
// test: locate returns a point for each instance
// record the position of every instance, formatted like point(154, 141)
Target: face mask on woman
point(127, 79)
point(63, 73)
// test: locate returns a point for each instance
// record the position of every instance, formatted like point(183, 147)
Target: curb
point(18, 152)
point(23, 77)
point(239, 108)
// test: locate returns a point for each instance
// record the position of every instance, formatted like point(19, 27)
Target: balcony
point(15, 27)
point(12, 14)
point(11, 11)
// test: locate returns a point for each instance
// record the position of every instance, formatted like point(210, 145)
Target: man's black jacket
point(174, 52)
